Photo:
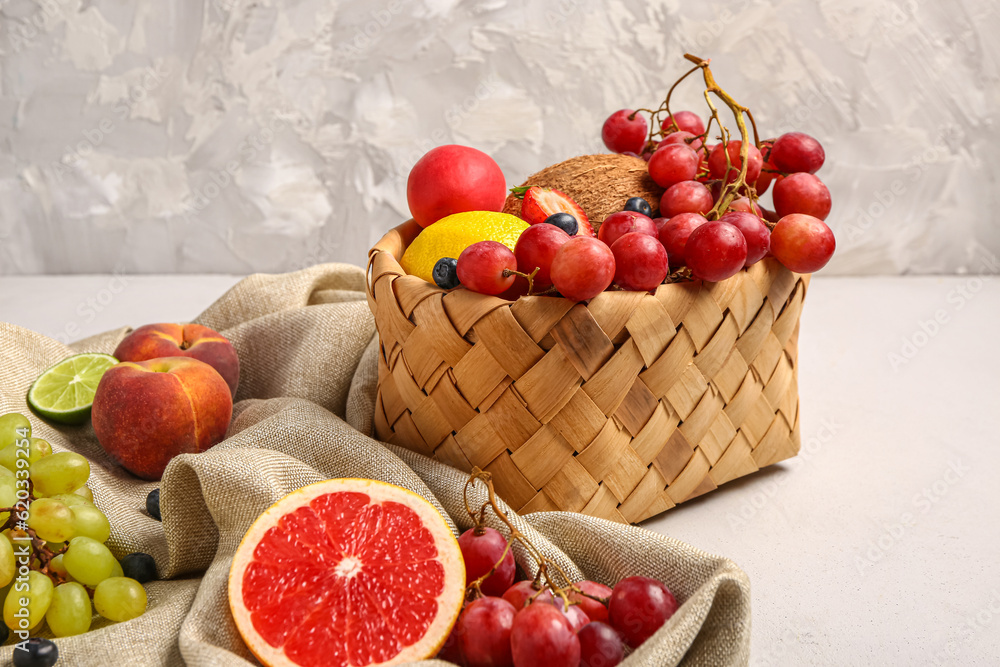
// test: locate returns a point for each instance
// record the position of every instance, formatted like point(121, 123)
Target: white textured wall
point(264, 135)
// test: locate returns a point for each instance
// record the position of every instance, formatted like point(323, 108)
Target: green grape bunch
point(54, 565)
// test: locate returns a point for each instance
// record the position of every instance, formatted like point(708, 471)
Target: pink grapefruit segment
point(347, 573)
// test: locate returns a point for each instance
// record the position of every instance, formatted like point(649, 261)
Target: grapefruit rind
point(450, 601)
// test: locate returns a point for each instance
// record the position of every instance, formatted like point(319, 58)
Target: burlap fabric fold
point(303, 414)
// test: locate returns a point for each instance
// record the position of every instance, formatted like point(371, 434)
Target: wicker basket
point(619, 408)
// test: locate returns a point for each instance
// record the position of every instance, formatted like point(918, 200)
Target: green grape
point(13, 427)
point(54, 546)
point(64, 472)
point(56, 565)
point(70, 611)
point(117, 570)
point(51, 520)
point(36, 449)
point(88, 561)
point(8, 567)
point(35, 596)
point(120, 599)
point(91, 522)
point(5, 472)
point(85, 493)
point(8, 496)
point(71, 499)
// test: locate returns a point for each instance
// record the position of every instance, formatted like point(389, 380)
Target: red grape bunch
point(545, 621)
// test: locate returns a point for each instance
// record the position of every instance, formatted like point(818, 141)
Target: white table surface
point(878, 545)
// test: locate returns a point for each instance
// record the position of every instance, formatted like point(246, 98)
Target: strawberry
point(539, 203)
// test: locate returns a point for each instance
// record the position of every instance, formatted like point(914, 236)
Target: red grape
point(484, 632)
point(481, 549)
point(746, 206)
point(685, 138)
point(768, 171)
point(536, 247)
point(597, 611)
point(675, 233)
point(802, 243)
point(686, 197)
point(583, 268)
point(451, 650)
point(600, 646)
point(623, 222)
point(577, 617)
point(640, 605)
point(481, 265)
point(623, 134)
point(673, 163)
point(640, 262)
point(543, 637)
point(715, 251)
point(687, 121)
point(756, 233)
point(801, 193)
point(523, 591)
point(659, 222)
point(797, 152)
point(717, 162)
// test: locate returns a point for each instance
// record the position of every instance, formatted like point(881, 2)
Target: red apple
point(155, 341)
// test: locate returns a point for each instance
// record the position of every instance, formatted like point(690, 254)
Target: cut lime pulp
point(64, 393)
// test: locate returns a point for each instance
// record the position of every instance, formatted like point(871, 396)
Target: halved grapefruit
point(347, 573)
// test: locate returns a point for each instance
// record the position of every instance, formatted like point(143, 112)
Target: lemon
point(449, 236)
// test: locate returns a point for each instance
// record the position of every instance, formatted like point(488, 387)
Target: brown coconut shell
point(600, 184)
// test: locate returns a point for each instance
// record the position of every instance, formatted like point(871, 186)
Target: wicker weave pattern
point(620, 408)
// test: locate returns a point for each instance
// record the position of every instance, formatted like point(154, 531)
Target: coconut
point(600, 184)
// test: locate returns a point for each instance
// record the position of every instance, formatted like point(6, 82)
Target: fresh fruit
point(797, 152)
point(393, 575)
point(576, 616)
point(8, 564)
point(535, 249)
point(638, 607)
point(540, 203)
point(14, 427)
point(717, 162)
point(155, 341)
point(801, 193)
point(684, 121)
point(446, 273)
point(600, 646)
point(744, 205)
point(582, 268)
point(485, 627)
point(90, 522)
point(482, 548)
point(802, 243)
point(542, 636)
point(522, 593)
point(37, 590)
point(37, 652)
point(485, 267)
point(450, 236)
point(64, 472)
point(153, 504)
point(639, 205)
point(768, 172)
point(120, 599)
point(565, 222)
point(595, 610)
point(454, 179)
point(673, 163)
point(51, 520)
point(715, 251)
point(674, 235)
point(625, 131)
point(70, 611)
point(64, 393)
point(139, 566)
point(451, 650)
point(193, 408)
point(686, 197)
point(88, 561)
point(686, 138)
point(618, 224)
point(640, 261)
point(756, 233)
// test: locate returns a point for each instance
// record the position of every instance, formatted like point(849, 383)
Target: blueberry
point(40, 653)
point(153, 504)
point(565, 222)
point(446, 273)
point(139, 566)
point(639, 205)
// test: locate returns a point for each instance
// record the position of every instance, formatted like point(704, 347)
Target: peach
point(154, 341)
point(147, 412)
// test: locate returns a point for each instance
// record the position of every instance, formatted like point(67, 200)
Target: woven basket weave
point(619, 408)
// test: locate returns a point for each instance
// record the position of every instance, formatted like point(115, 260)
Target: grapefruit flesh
point(347, 573)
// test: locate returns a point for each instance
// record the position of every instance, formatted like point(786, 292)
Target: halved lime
point(64, 393)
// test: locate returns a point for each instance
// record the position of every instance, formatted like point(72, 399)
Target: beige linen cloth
point(307, 346)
